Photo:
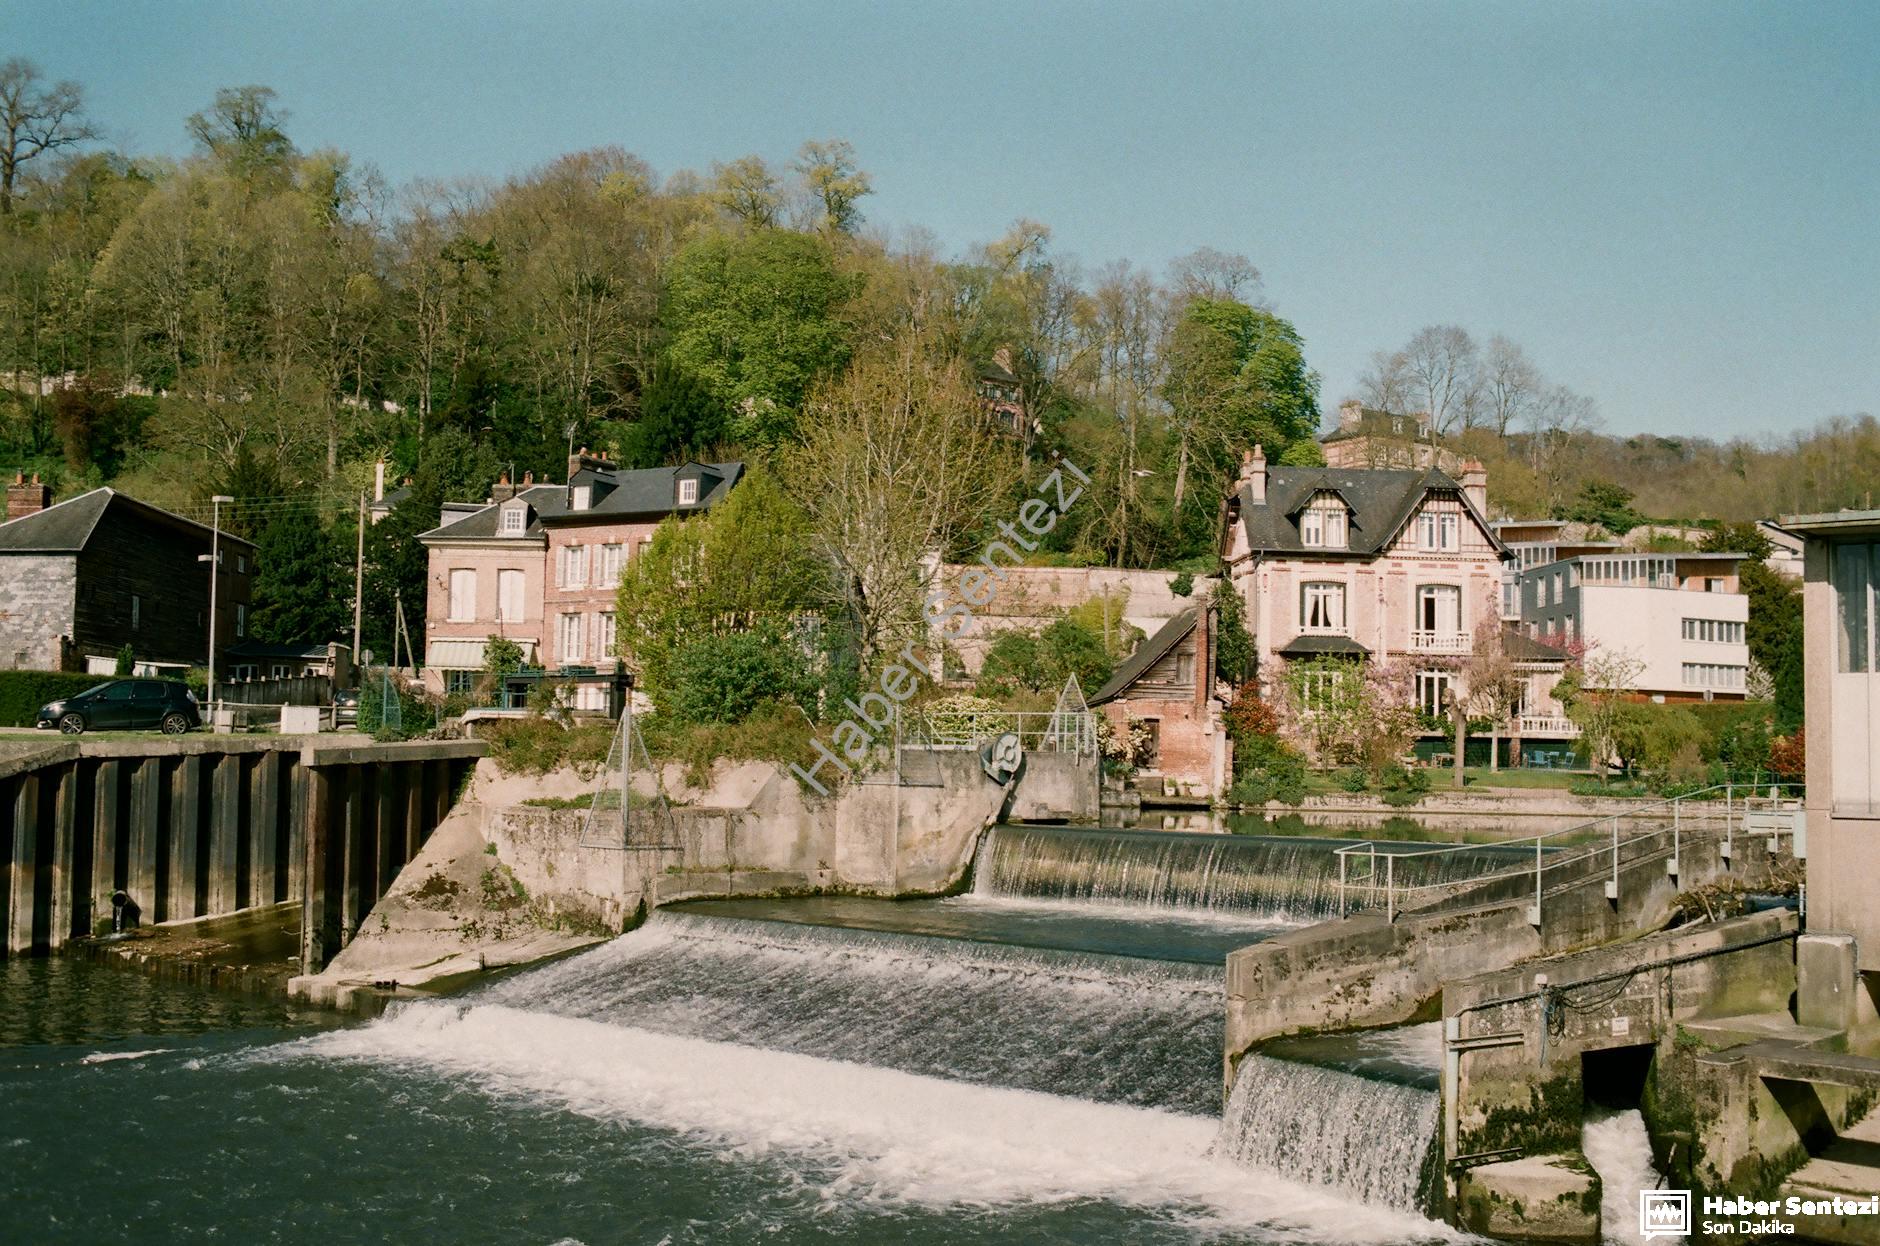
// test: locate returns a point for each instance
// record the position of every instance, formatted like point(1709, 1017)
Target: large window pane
point(1852, 566)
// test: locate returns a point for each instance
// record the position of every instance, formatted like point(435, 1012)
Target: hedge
point(23, 692)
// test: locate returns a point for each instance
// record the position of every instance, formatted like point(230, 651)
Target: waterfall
point(1372, 1139)
point(1620, 1151)
point(1286, 878)
point(1109, 1028)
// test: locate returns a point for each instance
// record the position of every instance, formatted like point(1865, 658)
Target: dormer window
point(1324, 524)
point(515, 520)
point(688, 492)
point(583, 497)
point(1439, 530)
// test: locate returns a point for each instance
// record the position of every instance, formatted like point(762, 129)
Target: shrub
point(417, 713)
point(1182, 585)
point(1265, 769)
point(722, 679)
point(1354, 779)
point(777, 731)
point(536, 745)
point(23, 692)
point(1402, 786)
point(1788, 756)
point(1248, 715)
point(126, 662)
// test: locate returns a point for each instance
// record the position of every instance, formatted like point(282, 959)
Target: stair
point(1848, 1168)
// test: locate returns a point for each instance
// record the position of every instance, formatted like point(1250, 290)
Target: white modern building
point(1679, 615)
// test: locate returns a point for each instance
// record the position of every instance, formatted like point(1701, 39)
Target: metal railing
point(1037, 730)
point(1774, 815)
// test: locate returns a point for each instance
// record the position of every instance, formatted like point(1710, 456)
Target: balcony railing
point(1548, 724)
point(1442, 642)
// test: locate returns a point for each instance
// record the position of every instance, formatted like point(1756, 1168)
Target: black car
point(126, 705)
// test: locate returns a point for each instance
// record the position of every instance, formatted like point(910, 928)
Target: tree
point(835, 182)
point(1210, 274)
point(303, 582)
point(1485, 684)
point(1595, 697)
point(35, 118)
point(1603, 503)
point(757, 319)
point(680, 419)
point(1737, 538)
point(242, 131)
point(748, 190)
point(897, 462)
point(1442, 369)
point(1510, 385)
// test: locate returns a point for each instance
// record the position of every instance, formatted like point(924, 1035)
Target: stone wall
point(36, 601)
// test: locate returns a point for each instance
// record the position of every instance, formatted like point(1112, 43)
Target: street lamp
point(214, 559)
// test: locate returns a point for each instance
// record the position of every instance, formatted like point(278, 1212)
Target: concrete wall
point(37, 592)
point(1369, 971)
point(1033, 596)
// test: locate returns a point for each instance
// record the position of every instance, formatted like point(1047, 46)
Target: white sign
point(1621, 1026)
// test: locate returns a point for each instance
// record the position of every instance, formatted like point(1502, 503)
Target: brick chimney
point(502, 490)
point(378, 481)
point(583, 459)
point(1253, 474)
point(1350, 413)
point(1475, 486)
point(26, 497)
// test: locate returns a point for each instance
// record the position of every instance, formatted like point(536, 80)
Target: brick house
point(1378, 564)
point(539, 564)
point(82, 579)
point(1168, 682)
point(1372, 438)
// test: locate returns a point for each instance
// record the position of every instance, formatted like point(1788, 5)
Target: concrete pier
point(206, 827)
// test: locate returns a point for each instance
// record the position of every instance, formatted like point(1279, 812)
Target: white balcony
point(1548, 725)
point(1442, 642)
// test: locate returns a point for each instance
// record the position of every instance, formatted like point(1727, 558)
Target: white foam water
point(1371, 1139)
point(1620, 1150)
point(864, 1133)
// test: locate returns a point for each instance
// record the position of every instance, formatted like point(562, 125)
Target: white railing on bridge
point(1776, 814)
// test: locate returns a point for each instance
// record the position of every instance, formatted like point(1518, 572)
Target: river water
point(993, 1068)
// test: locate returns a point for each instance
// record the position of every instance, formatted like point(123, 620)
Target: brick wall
point(37, 592)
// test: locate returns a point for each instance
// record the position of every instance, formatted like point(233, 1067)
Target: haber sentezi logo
point(1664, 1213)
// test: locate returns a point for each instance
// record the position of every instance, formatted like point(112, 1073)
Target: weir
point(1279, 877)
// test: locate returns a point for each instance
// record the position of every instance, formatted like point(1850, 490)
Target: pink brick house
point(539, 564)
point(1378, 564)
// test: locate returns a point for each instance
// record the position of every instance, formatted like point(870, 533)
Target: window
point(1439, 609)
point(241, 619)
point(278, 671)
point(1184, 668)
point(243, 671)
point(515, 520)
point(1714, 631)
point(509, 606)
point(1323, 524)
point(137, 611)
point(1852, 574)
point(1713, 584)
point(463, 594)
point(1439, 530)
point(688, 492)
point(1712, 675)
point(1319, 687)
point(241, 564)
point(1432, 690)
point(460, 681)
point(1560, 586)
point(613, 556)
point(570, 639)
point(574, 562)
point(583, 497)
point(1152, 749)
point(604, 635)
point(1322, 607)
point(1541, 592)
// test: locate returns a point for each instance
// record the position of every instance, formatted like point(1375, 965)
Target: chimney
point(1350, 413)
point(26, 497)
point(502, 490)
point(1475, 486)
point(378, 481)
point(1253, 474)
point(584, 459)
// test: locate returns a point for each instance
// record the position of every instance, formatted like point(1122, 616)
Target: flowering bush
point(1130, 744)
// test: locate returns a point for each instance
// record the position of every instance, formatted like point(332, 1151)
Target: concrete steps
point(1848, 1168)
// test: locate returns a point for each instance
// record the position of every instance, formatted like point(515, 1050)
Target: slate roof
point(263, 649)
point(1147, 654)
point(1313, 646)
point(1382, 500)
point(648, 493)
point(66, 527)
point(1524, 648)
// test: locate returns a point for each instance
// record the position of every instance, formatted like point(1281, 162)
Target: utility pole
point(214, 559)
point(359, 577)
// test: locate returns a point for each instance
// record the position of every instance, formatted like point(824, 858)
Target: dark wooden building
point(82, 579)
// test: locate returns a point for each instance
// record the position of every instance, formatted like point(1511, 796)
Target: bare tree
point(835, 182)
point(1210, 274)
point(35, 119)
point(1558, 421)
point(1511, 384)
point(1442, 364)
point(748, 190)
point(1385, 384)
point(1484, 685)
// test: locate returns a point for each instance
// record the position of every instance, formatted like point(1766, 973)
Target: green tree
point(723, 678)
point(1604, 503)
point(303, 582)
point(680, 420)
point(243, 130)
point(837, 183)
point(757, 319)
point(126, 662)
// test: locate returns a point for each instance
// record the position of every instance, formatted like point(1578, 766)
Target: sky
point(1674, 207)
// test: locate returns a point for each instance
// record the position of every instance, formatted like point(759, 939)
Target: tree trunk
point(1462, 739)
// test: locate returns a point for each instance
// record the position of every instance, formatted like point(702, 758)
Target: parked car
point(126, 705)
point(346, 707)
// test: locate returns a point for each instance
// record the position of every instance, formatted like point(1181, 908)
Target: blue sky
point(1674, 206)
